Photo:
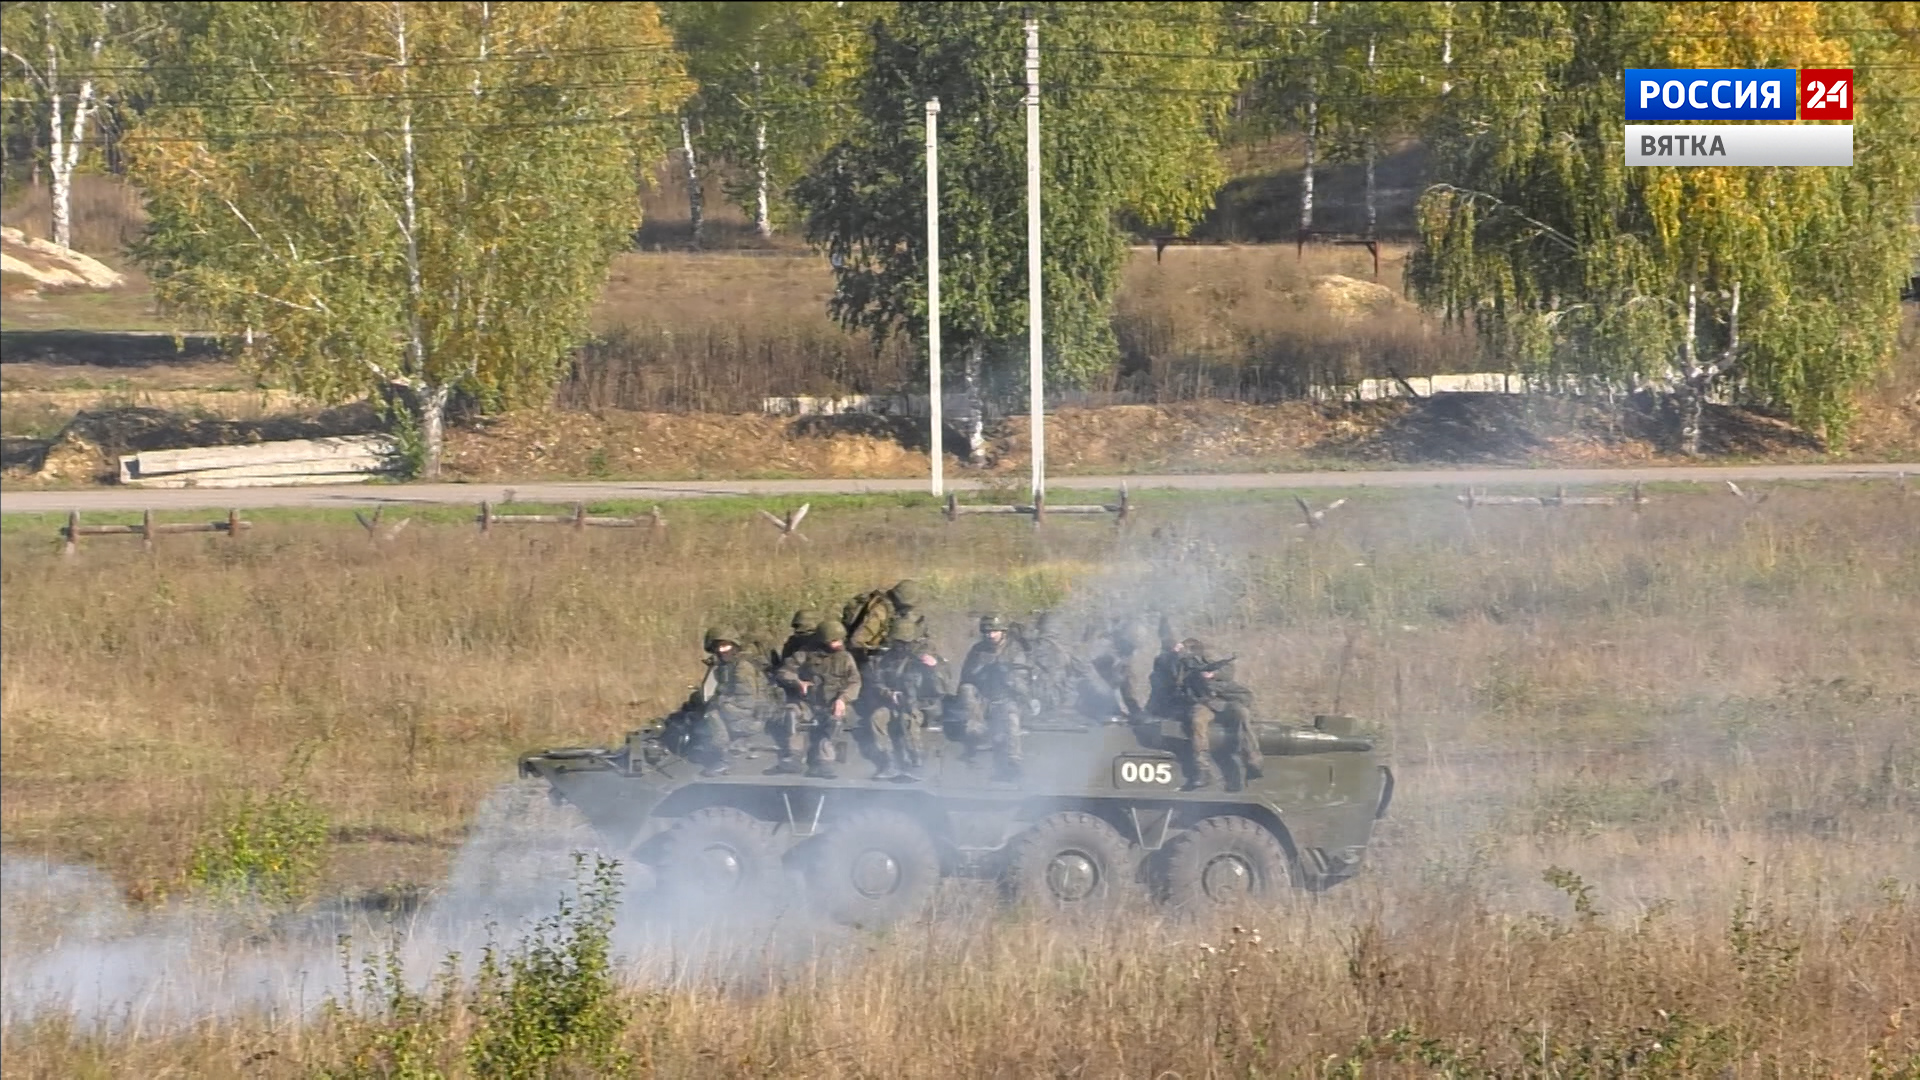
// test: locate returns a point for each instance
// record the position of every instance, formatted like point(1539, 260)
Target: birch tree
point(1795, 308)
point(1375, 55)
point(68, 61)
point(771, 80)
point(1112, 142)
point(410, 198)
point(1783, 282)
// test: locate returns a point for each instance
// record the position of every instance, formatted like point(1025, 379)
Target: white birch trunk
point(1446, 52)
point(696, 208)
point(1731, 357)
point(976, 413)
point(432, 397)
point(1691, 405)
point(1373, 209)
point(1313, 124)
point(65, 146)
point(762, 211)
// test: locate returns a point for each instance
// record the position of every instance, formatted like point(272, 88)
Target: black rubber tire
point(873, 869)
point(718, 856)
point(1223, 862)
point(1069, 861)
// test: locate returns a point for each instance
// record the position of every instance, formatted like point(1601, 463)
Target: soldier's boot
point(820, 755)
point(786, 766)
point(1201, 776)
point(883, 763)
point(1231, 772)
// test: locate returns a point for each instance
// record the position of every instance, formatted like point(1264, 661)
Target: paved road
point(115, 498)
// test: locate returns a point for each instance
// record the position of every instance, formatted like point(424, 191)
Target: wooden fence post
point(73, 533)
point(953, 507)
point(1125, 509)
point(486, 518)
point(146, 530)
point(1039, 507)
point(579, 516)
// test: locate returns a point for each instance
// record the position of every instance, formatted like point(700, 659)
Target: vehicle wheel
point(718, 854)
point(1068, 862)
point(1222, 862)
point(873, 869)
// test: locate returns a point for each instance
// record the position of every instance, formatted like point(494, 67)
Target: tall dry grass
point(717, 332)
point(108, 213)
point(1703, 714)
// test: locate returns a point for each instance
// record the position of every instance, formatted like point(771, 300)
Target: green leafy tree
point(404, 198)
point(1290, 40)
point(1569, 262)
point(1129, 119)
point(772, 80)
point(1377, 58)
point(69, 62)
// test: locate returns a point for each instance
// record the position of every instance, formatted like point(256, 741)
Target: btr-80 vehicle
point(1098, 813)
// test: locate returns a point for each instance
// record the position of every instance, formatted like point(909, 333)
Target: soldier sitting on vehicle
point(1057, 672)
point(1163, 682)
point(899, 690)
point(732, 702)
point(824, 681)
point(1217, 706)
point(1114, 695)
point(994, 689)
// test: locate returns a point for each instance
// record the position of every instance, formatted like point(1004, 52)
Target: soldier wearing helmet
point(1163, 682)
point(733, 701)
point(1217, 716)
point(994, 688)
point(1057, 673)
point(900, 688)
point(825, 682)
point(1117, 695)
point(804, 623)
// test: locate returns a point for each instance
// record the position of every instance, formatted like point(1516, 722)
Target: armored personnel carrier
point(1097, 814)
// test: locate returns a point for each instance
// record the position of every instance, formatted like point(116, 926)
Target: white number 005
point(1146, 772)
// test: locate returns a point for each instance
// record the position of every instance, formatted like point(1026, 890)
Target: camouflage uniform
point(1212, 697)
point(733, 702)
point(1163, 683)
point(1056, 671)
point(901, 687)
point(994, 688)
point(826, 682)
point(1118, 695)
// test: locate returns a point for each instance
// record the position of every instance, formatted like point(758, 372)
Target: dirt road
point(105, 499)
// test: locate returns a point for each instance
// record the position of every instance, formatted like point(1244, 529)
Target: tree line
point(421, 199)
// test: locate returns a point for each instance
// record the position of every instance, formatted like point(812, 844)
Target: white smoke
point(71, 947)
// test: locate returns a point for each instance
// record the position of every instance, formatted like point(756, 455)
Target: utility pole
point(1036, 385)
point(935, 415)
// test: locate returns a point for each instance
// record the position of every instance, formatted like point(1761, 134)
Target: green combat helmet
point(831, 632)
point(906, 594)
point(717, 635)
point(990, 623)
point(804, 620)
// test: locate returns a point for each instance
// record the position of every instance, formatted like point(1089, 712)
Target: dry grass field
point(1659, 808)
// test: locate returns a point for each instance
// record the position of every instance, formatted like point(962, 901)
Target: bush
point(267, 850)
point(550, 1003)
